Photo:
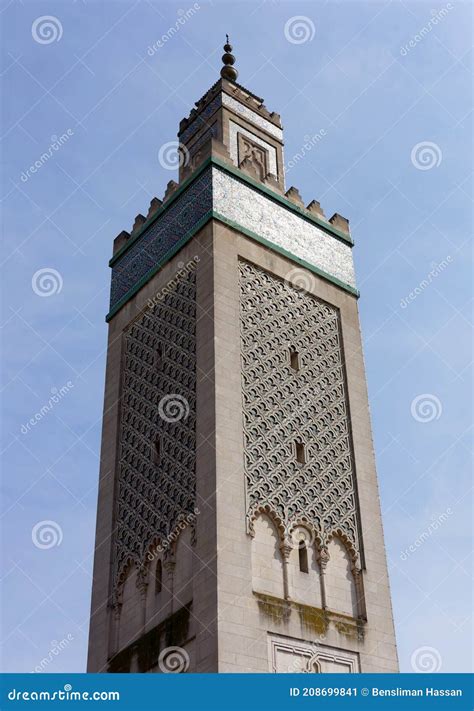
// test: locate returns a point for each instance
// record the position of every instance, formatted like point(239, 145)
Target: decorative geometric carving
point(253, 156)
point(281, 405)
point(158, 399)
point(237, 133)
point(289, 655)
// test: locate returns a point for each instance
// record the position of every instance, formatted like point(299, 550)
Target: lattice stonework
point(157, 487)
point(282, 406)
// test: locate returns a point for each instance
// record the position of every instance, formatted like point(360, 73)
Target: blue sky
point(409, 208)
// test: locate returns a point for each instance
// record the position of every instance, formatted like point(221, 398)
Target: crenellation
point(293, 194)
point(137, 225)
point(340, 222)
point(155, 205)
point(315, 208)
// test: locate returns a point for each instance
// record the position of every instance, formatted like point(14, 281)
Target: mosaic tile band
point(215, 190)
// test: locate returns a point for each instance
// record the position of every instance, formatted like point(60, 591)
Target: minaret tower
point(238, 524)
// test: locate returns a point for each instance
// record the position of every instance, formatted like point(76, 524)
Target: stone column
point(323, 561)
point(286, 549)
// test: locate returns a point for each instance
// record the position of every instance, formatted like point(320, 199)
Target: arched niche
point(341, 593)
point(267, 565)
point(304, 580)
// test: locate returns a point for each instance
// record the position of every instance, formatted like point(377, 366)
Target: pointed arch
point(267, 561)
point(340, 584)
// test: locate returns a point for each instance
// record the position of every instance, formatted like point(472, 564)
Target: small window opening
point(294, 359)
point(158, 577)
point(303, 557)
point(159, 356)
point(300, 453)
point(156, 451)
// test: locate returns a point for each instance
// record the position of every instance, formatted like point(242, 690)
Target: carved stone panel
point(289, 401)
point(156, 484)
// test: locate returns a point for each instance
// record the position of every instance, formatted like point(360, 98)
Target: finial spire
point(228, 59)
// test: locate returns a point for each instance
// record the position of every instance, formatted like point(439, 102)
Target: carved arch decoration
point(279, 404)
point(154, 497)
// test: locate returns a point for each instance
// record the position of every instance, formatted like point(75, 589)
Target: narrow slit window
point(158, 577)
point(156, 451)
point(303, 557)
point(300, 453)
point(294, 359)
point(159, 356)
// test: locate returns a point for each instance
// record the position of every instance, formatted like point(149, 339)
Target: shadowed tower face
point(238, 523)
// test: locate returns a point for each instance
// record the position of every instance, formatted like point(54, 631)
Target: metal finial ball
point(228, 59)
point(228, 72)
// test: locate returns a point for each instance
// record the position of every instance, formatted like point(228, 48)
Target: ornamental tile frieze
point(161, 237)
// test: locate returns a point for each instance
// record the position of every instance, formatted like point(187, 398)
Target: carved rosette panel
point(157, 488)
point(281, 406)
